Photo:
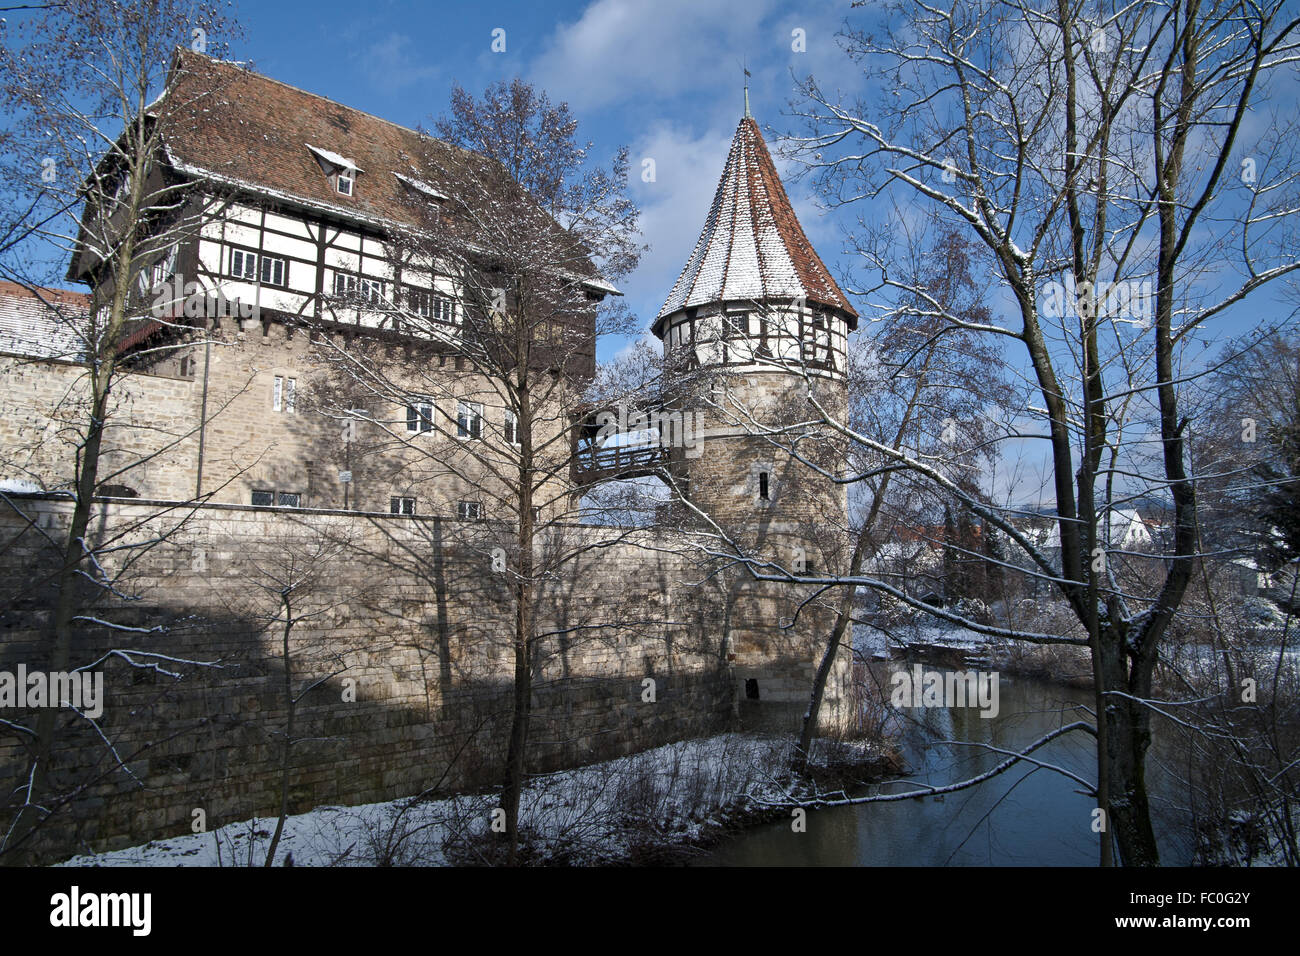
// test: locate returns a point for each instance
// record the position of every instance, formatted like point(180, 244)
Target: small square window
point(419, 415)
point(263, 498)
point(401, 505)
point(469, 510)
point(420, 302)
point(273, 271)
point(243, 265)
point(345, 283)
point(345, 182)
point(469, 420)
point(284, 394)
point(444, 309)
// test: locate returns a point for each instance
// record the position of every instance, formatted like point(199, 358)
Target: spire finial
point(748, 115)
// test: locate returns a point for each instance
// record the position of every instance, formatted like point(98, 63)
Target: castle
point(233, 414)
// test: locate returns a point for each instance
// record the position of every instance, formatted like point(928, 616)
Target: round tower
point(753, 327)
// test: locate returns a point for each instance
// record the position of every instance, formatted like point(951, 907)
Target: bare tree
point(84, 159)
point(295, 580)
point(910, 384)
point(516, 236)
point(1086, 148)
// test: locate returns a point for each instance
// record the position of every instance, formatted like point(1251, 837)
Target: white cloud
point(627, 49)
point(390, 64)
point(673, 207)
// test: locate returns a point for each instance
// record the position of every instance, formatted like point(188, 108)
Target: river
point(1023, 817)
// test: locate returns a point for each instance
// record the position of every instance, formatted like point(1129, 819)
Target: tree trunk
point(65, 609)
point(842, 620)
point(513, 787)
point(1127, 736)
point(290, 704)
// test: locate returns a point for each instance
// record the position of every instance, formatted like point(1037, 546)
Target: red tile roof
point(240, 125)
point(40, 322)
point(232, 124)
point(752, 246)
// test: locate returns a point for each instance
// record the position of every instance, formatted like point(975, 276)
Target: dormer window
point(341, 171)
point(425, 193)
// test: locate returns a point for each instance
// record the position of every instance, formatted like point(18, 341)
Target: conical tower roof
point(752, 246)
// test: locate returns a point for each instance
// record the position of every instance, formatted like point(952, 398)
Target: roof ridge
point(776, 261)
point(316, 96)
point(795, 233)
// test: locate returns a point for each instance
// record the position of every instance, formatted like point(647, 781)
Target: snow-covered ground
point(668, 796)
point(876, 643)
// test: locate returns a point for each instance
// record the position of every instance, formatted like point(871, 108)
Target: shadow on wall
point(401, 637)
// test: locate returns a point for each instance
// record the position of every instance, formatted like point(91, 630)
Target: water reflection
point(1026, 816)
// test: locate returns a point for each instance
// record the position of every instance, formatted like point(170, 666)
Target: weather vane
point(745, 69)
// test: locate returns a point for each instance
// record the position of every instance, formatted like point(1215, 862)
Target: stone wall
point(224, 401)
point(406, 624)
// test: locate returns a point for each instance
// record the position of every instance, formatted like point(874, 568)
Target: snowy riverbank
point(652, 805)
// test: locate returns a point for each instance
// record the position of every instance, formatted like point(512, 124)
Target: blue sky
point(663, 77)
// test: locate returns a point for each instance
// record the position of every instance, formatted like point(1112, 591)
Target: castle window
point(419, 415)
point(512, 428)
point(401, 505)
point(163, 269)
point(444, 309)
point(763, 486)
point(469, 420)
point(469, 510)
point(123, 187)
point(345, 283)
point(735, 323)
point(349, 285)
point(284, 499)
point(284, 394)
point(420, 302)
point(751, 688)
point(430, 305)
point(243, 265)
point(273, 271)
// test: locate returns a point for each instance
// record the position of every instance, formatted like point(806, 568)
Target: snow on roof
point(334, 159)
point(419, 185)
point(41, 326)
point(752, 246)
